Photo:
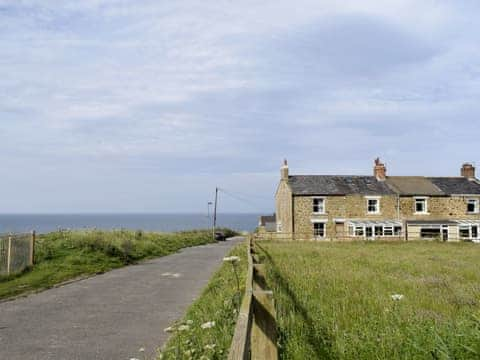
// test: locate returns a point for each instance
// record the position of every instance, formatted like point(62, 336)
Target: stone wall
point(439, 208)
point(350, 207)
point(283, 206)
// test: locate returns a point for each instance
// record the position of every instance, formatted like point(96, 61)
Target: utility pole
point(215, 212)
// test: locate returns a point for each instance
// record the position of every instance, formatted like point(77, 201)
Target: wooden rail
point(255, 335)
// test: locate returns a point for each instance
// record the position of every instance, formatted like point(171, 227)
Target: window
point(474, 232)
point(359, 231)
point(388, 231)
point(421, 206)
point(397, 230)
point(319, 229)
point(279, 226)
point(465, 232)
point(369, 231)
point(472, 206)
point(430, 233)
point(373, 206)
point(378, 230)
point(319, 205)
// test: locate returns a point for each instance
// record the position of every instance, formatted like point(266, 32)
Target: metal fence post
point(9, 254)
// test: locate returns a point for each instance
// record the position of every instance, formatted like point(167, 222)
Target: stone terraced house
point(338, 207)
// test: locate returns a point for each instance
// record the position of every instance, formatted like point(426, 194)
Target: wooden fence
point(255, 334)
point(16, 252)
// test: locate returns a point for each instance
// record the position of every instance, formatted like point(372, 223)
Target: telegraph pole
point(215, 212)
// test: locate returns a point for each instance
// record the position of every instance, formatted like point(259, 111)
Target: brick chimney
point(284, 170)
point(468, 171)
point(379, 170)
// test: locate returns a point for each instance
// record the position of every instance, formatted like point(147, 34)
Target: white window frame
point(279, 226)
point(323, 205)
point(475, 202)
point(361, 231)
point(425, 210)
point(319, 221)
point(377, 199)
point(470, 232)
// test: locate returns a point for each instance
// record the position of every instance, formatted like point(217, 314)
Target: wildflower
point(167, 274)
point(142, 349)
point(169, 329)
point(134, 359)
point(231, 259)
point(397, 297)
point(208, 325)
point(189, 322)
point(210, 346)
point(183, 328)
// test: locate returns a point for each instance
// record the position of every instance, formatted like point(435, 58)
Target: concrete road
point(110, 316)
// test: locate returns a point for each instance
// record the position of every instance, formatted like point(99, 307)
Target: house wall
point(439, 208)
point(348, 207)
point(283, 206)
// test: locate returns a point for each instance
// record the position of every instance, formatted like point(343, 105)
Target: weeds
point(207, 329)
point(377, 300)
point(62, 255)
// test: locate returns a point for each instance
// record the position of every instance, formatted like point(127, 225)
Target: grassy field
point(334, 300)
point(63, 255)
point(218, 303)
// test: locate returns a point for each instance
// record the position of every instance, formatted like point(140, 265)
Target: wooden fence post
point(32, 248)
point(9, 254)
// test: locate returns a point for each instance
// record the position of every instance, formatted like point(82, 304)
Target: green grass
point(219, 303)
point(334, 300)
point(63, 255)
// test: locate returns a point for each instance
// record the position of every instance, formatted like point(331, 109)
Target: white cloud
point(216, 87)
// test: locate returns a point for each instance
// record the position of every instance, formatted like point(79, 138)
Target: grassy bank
point(334, 301)
point(218, 304)
point(63, 255)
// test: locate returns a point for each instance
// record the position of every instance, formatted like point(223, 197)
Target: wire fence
point(16, 252)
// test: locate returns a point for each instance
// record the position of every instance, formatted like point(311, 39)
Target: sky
point(147, 106)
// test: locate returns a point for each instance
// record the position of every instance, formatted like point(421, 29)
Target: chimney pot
point(284, 170)
point(379, 170)
point(468, 171)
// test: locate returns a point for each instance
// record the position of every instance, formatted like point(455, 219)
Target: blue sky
point(146, 106)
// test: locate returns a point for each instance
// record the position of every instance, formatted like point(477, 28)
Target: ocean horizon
point(163, 222)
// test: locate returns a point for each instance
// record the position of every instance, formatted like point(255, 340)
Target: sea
point(44, 223)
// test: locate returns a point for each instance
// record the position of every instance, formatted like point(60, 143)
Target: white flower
point(208, 325)
point(210, 346)
point(134, 359)
point(231, 259)
point(189, 322)
point(169, 329)
point(183, 328)
point(397, 297)
point(141, 350)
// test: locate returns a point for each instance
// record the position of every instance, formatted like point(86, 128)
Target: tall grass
point(334, 300)
point(218, 303)
point(63, 255)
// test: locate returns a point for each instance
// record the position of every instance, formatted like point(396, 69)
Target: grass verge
point(334, 301)
point(64, 255)
point(217, 305)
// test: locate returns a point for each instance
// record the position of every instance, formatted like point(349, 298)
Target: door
point(445, 233)
point(340, 231)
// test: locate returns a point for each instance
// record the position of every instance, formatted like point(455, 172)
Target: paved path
point(110, 316)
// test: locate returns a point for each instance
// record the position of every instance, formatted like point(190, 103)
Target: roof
point(413, 185)
point(456, 185)
point(267, 219)
point(337, 185)
point(431, 222)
